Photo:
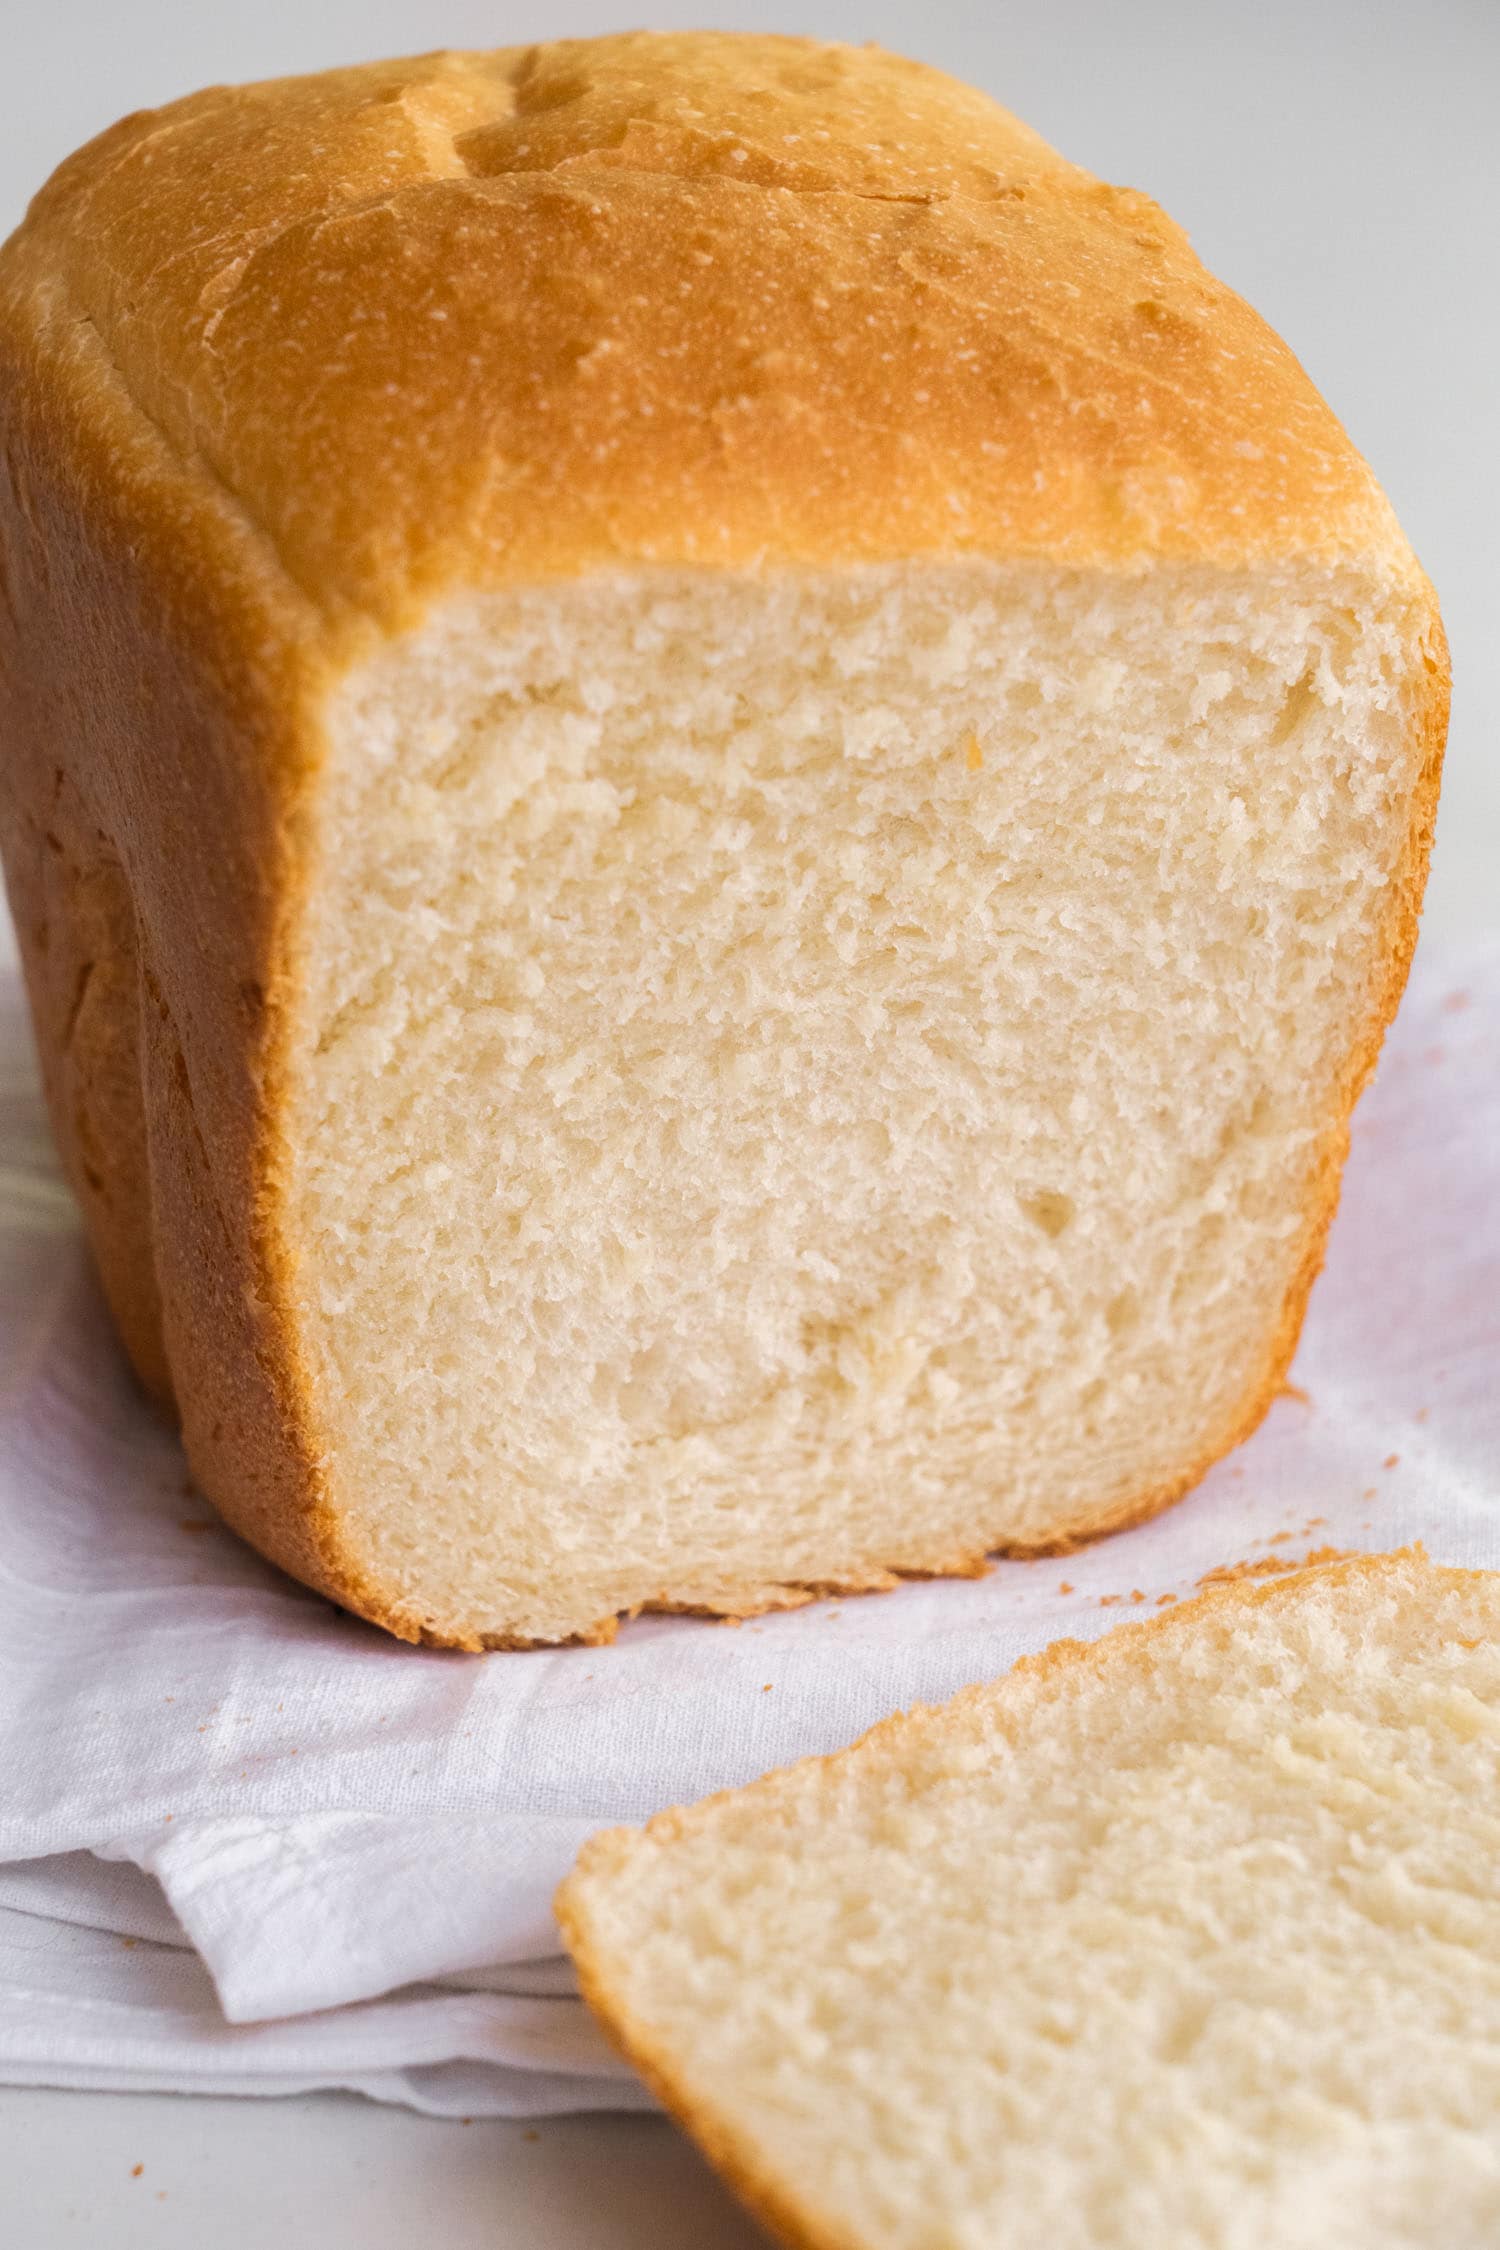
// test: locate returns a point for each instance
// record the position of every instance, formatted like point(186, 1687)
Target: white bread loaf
point(1189, 1940)
point(715, 788)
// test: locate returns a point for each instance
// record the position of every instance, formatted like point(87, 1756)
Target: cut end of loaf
point(1189, 1936)
point(741, 1141)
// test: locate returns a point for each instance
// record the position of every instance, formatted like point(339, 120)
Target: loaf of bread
point(715, 788)
point(1187, 1939)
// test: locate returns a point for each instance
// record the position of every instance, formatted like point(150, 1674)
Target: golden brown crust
point(727, 2147)
point(486, 319)
point(150, 688)
point(280, 364)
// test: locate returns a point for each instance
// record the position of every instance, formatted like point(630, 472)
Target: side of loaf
point(714, 789)
point(1189, 1936)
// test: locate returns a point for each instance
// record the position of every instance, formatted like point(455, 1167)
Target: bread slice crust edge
point(789, 2217)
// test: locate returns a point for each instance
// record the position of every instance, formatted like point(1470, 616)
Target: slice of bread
point(1188, 1940)
point(715, 788)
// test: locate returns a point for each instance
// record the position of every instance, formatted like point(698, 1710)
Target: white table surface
point(331, 2170)
point(1334, 159)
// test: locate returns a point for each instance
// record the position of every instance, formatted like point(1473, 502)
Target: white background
point(1338, 162)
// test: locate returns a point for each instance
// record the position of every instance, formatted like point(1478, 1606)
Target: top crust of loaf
point(691, 299)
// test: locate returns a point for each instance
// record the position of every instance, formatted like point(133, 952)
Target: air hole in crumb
point(1180, 2036)
point(1052, 1212)
point(1296, 704)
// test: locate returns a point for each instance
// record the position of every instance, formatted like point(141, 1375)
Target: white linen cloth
point(250, 1845)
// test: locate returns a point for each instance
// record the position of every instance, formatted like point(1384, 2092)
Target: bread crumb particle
point(531, 2134)
point(1065, 1588)
point(1391, 1461)
point(1163, 1599)
point(1295, 1390)
point(1272, 1566)
point(136, 2170)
